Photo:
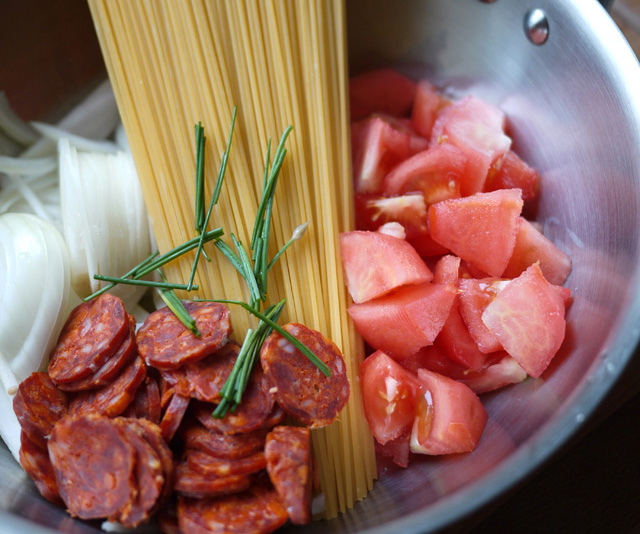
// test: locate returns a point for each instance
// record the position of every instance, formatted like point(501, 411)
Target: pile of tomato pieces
point(453, 289)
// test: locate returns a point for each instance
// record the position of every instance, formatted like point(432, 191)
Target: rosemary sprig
point(154, 261)
point(215, 196)
point(199, 202)
point(147, 283)
point(293, 340)
point(235, 385)
point(177, 307)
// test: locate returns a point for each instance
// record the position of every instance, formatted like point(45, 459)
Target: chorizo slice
point(168, 519)
point(35, 461)
point(146, 402)
point(289, 465)
point(113, 399)
point(165, 343)
point(198, 485)
point(39, 405)
point(170, 382)
point(252, 413)
point(256, 510)
point(223, 467)
point(112, 367)
point(94, 464)
point(152, 433)
point(173, 416)
point(149, 476)
point(93, 332)
point(302, 390)
point(206, 377)
point(222, 445)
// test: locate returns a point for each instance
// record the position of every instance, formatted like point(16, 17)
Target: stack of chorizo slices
point(121, 426)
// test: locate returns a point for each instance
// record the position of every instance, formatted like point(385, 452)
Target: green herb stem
point(135, 282)
point(215, 196)
point(199, 189)
point(293, 340)
point(154, 261)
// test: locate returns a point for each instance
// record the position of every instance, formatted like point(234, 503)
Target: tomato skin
point(388, 396)
point(502, 373)
point(511, 172)
point(402, 322)
point(426, 104)
point(527, 317)
point(454, 338)
point(435, 172)
point(449, 416)
point(376, 263)
point(480, 229)
point(477, 128)
point(474, 296)
point(409, 210)
point(532, 246)
point(380, 91)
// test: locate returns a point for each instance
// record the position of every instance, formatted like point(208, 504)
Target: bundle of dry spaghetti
point(173, 63)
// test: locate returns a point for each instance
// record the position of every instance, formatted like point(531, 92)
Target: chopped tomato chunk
point(436, 173)
point(480, 229)
point(388, 396)
point(510, 172)
point(402, 322)
point(532, 246)
point(380, 91)
point(449, 416)
point(375, 263)
point(427, 103)
point(527, 317)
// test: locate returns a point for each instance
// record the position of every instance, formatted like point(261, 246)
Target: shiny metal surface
point(574, 113)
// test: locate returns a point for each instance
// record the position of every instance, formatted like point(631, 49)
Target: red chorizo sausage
point(223, 467)
point(166, 343)
point(196, 484)
point(257, 510)
point(250, 415)
point(206, 377)
point(302, 390)
point(149, 476)
point(94, 464)
point(173, 415)
point(93, 332)
point(39, 405)
point(223, 445)
point(289, 464)
point(35, 461)
point(113, 399)
point(112, 367)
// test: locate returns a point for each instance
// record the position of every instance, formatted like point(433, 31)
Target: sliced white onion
point(27, 167)
point(95, 117)
point(104, 218)
point(13, 125)
point(34, 297)
point(82, 143)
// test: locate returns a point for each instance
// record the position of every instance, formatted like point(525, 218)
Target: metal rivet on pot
point(536, 26)
point(487, 1)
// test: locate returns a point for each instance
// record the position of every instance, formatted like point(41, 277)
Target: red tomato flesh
point(532, 246)
point(449, 416)
point(474, 296)
point(454, 338)
point(436, 173)
point(408, 210)
point(380, 91)
point(378, 147)
point(527, 317)
point(481, 229)
point(375, 264)
point(503, 373)
point(388, 396)
point(511, 172)
point(427, 103)
point(402, 322)
point(477, 128)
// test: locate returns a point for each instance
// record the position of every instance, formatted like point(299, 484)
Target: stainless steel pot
point(574, 111)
